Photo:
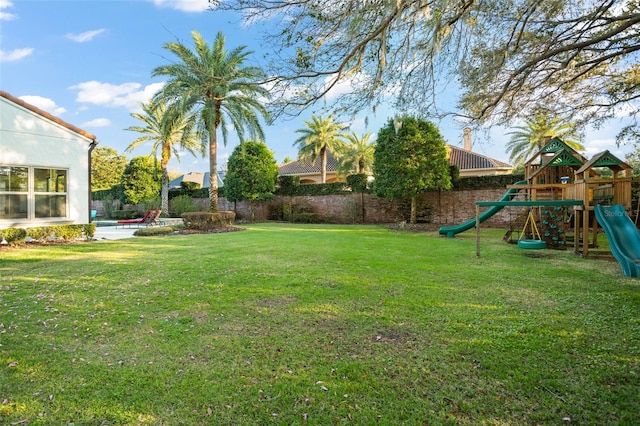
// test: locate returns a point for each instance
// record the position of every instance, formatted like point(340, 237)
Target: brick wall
point(439, 208)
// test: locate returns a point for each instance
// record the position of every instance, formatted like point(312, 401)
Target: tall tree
point(410, 159)
point(319, 136)
point(107, 166)
point(170, 130)
point(215, 83)
point(581, 56)
point(356, 155)
point(529, 138)
point(140, 181)
point(251, 174)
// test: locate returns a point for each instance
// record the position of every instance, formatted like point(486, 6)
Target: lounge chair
point(150, 218)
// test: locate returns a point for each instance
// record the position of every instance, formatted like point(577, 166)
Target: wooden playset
point(558, 172)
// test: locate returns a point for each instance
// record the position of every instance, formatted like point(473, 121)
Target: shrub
point(14, 235)
point(41, 233)
point(183, 204)
point(357, 182)
point(206, 221)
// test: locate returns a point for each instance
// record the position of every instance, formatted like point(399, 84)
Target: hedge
point(48, 233)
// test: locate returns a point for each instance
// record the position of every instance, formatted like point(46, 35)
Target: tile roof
point(465, 160)
point(469, 160)
point(300, 167)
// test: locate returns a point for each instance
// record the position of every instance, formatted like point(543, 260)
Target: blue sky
point(89, 63)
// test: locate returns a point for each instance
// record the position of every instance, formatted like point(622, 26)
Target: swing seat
point(532, 244)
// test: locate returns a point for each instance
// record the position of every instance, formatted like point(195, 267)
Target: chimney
point(467, 138)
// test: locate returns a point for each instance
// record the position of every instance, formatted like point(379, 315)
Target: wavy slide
point(623, 236)
point(451, 231)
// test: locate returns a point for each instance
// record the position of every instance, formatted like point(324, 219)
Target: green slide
point(623, 236)
point(451, 231)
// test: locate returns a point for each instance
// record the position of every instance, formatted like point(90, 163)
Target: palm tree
point(357, 154)
point(214, 83)
point(528, 139)
point(170, 130)
point(319, 136)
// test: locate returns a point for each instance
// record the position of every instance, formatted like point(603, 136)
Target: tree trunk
point(414, 209)
point(213, 170)
point(164, 192)
point(323, 164)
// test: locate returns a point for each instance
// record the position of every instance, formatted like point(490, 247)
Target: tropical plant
point(529, 138)
point(251, 174)
point(215, 84)
point(319, 136)
point(410, 159)
point(170, 130)
point(356, 155)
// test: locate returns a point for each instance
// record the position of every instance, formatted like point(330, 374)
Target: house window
point(32, 192)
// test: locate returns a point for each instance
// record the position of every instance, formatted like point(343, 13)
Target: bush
point(357, 182)
point(125, 214)
point(206, 221)
point(41, 233)
point(183, 204)
point(13, 235)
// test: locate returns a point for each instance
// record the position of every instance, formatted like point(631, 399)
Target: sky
point(89, 63)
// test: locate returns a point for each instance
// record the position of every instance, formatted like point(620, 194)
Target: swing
point(531, 244)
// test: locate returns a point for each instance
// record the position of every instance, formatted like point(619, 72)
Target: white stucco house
point(45, 167)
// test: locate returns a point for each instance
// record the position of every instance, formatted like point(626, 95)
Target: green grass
point(318, 325)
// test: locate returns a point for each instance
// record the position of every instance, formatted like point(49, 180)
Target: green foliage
point(356, 155)
point(411, 162)
point(157, 230)
point(357, 182)
point(183, 204)
point(304, 213)
point(526, 140)
point(152, 202)
point(107, 167)
point(251, 173)
point(311, 189)
point(45, 233)
point(140, 180)
point(287, 185)
point(13, 235)
point(207, 221)
point(487, 182)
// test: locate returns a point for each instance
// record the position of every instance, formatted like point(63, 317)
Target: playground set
point(563, 196)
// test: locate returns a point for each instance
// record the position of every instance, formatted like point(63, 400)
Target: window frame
point(32, 194)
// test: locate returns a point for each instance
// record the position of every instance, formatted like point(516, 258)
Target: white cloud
point(85, 36)
point(126, 95)
point(98, 122)
point(15, 55)
point(184, 5)
point(4, 16)
point(44, 104)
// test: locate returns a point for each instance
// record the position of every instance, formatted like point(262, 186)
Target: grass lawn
point(318, 325)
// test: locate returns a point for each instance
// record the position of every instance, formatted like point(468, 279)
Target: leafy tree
point(410, 161)
point(319, 135)
point(107, 166)
point(356, 155)
point(529, 138)
point(170, 130)
point(251, 174)
point(139, 180)
point(580, 56)
point(214, 83)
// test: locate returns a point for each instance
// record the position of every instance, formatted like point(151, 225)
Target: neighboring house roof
point(46, 115)
point(201, 178)
point(469, 160)
point(301, 168)
point(465, 160)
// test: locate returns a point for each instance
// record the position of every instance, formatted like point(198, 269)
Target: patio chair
point(149, 219)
